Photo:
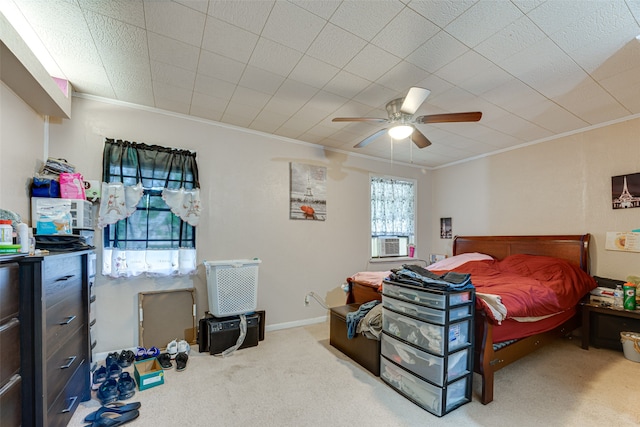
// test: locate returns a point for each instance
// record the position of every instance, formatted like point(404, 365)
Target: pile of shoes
point(147, 353)
point(178, 351)
point(111, 382)
point(113, 414)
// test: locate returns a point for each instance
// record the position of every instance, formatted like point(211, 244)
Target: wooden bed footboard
point(487, 360)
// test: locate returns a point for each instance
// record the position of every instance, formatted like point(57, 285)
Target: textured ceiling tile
point(466, 29)
point(171, 51)
point(589, 101)
point(131, 12)
point(313, 72)
point(273, 118)
point(261, 80)
point(172, 75)
point(199, 5)
point(250, 97)
point(220, 67)
point(486, 80)
point(325, 46)
point(241, 109)
point(211, 86)
point(464, 67)
point(322, 8)
point(437, 52)
point(118, 43)
point(554, 16)
point(292, 26)
point(346, 84)
point(228, 40)
point(512, 39)
point(377, 96)
point(371, 63)
point(207, 106)
point(441, 12)
point(249, 15)
point(326, 102)
point(405, 33)
point(167, 92)
point(369, 19)
point(274, 57)
point(402, 76)
point(551, 116)
point(175, 21)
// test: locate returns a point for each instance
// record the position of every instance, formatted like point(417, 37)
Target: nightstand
point(601, 326)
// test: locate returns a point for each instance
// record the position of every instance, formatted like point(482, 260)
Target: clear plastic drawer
point(426, 297)
point(425, 365)
point(432, 338)
point(434, 399)
point(426, 313)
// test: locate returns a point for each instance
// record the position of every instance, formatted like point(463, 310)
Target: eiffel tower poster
point(625, 191)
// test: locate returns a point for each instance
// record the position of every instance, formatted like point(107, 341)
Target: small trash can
point(631, 345)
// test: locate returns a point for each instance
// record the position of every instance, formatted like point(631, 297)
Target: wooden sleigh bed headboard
point(573, 248)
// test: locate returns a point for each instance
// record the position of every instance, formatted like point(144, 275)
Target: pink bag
point(72, 186)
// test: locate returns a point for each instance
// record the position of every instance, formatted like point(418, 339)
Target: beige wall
point(561, 186)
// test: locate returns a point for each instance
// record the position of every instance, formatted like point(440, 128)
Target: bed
point(500, 343)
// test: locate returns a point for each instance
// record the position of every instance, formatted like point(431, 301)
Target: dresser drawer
point(432, 338)
point(436, 400)
point(10, 402)
point(59, 275)
point(9, 291)
point(63, 318)
point(9, 350)
point(62, 365)
point(426, 297)
point(425, 313)
point(425, 365)
point(60, 412)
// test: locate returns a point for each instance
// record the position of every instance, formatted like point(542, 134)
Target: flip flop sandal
point(126, 386)
point(109, 419)
point(108, 391)
point(99, 376)
point(115, 407)
point(126, 358)
point(181, 361)
point(165, 361)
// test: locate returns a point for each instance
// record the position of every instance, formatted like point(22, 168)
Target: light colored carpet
point(295, 378)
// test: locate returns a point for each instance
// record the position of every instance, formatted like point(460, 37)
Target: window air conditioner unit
point(389, 246)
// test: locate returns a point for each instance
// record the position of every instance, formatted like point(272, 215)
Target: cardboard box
point(148, 373)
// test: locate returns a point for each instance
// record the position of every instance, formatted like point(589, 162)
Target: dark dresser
point(54, 327)
point(10, 378)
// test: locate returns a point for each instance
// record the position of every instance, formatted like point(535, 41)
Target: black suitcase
point(216, 335)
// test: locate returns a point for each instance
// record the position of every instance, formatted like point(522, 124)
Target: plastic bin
point(631, 345)
point(232, 286)
point(427, 297)
point(426, 313)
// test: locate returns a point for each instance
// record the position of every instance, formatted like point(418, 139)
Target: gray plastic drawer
point(425, 313)
point(423, 364)
point(434, 399)
point(425, 335)
point(429, 299)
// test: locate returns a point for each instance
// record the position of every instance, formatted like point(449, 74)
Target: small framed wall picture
point(445, 228)
point(625, 191)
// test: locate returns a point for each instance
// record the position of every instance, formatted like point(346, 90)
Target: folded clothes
point(419, 276)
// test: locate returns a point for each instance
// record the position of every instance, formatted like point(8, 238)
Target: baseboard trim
point(296, 323)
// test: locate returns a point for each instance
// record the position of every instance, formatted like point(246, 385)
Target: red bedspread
point(528, 285)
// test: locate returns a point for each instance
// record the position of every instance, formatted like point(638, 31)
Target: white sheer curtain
point(392, 207)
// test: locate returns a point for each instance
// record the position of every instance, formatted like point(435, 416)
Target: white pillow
point(457, 260)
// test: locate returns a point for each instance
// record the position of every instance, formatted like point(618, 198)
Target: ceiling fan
point(403, 123)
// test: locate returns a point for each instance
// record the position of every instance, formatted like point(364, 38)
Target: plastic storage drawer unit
point(436, 369)
point(427, 297)
point(436, 339)
point(434, 399)
point(426, 313)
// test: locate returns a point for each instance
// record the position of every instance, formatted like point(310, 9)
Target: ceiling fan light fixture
point(400, 131)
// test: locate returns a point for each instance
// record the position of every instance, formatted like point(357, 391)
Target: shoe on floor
point(165, 361)
point(114, 407)
point(113, 370)
point(126, 386)
point(109, 419)
point(99, 376)
point(126, 358)
point(153, 352)
point(108, 391)
point(183, 347)
point(181, 361)
point(172, 348)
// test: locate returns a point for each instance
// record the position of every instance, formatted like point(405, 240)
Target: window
point(392, 216)
point(149, 208)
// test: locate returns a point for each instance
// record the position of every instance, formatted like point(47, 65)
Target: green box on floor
point(148, 373)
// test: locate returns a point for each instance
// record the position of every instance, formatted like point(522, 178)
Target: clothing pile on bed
point(419, 276)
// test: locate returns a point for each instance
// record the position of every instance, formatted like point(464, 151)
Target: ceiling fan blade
point(414, 100)
point(419, 139)
point(358, 119)
point(449, 117)
point(369, 139)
